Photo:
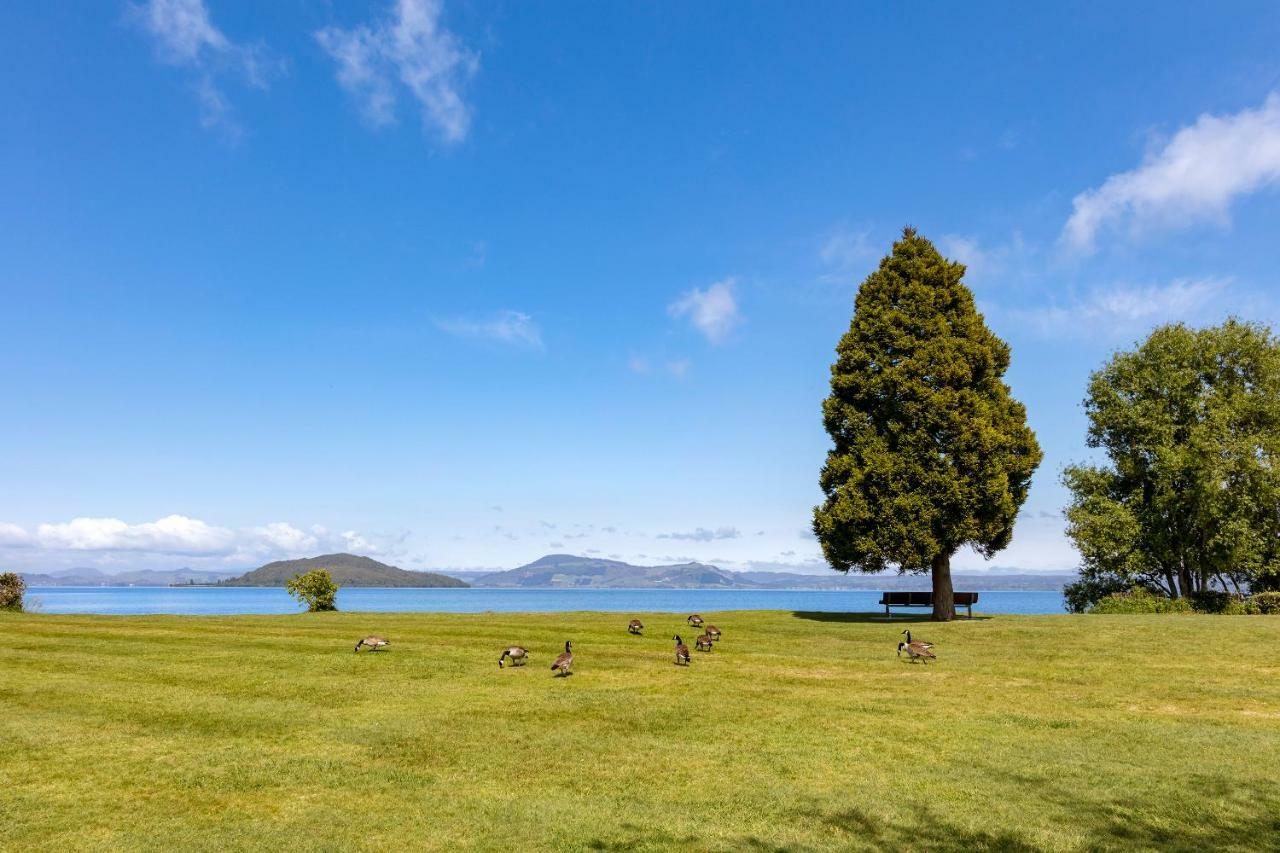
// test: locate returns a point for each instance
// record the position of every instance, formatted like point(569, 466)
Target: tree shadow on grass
point(876, 618)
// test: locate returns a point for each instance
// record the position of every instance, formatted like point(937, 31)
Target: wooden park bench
point(924, 599)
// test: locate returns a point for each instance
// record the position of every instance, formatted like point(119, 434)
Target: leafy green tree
point(1190, 424)
point(931, 453)
point(12, 589)
point(315, 589)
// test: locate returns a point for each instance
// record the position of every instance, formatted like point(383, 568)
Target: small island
point(346, 570)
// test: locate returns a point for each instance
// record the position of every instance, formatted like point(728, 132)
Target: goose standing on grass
point(682, 651)
point(713, 632)
point(703, 643)
point(518, 655)
point(917, 651)
point(695, 621)
point(373, 643)
point(635, 626)
point(564, 661)
point(918, 642)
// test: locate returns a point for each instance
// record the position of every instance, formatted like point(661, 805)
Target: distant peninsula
point(347, 570)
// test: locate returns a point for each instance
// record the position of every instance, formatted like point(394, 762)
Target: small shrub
point(1266, 602)
point(1139, 600)
point(1210, 601)
point(315, 589)
point(12, 589)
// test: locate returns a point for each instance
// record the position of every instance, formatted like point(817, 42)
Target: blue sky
point(460, 284)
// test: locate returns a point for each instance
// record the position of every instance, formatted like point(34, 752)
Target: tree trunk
point(944, 599)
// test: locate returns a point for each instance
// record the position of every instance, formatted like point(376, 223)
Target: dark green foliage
point(1190, 422)
point(931, 451)
point(315, 589)
point(1266, 602)
point(1140, 600)
point(347, 570)
point(12, 589)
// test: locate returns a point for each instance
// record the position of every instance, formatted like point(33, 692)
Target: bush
point(12, 588)
point(1139, 600)
point(315, 589)
point(1266, 602)
point(1210, 601)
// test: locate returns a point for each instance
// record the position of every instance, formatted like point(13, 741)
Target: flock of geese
point(917, 650)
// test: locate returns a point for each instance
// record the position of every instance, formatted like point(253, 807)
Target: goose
point(713, 632)
point(564, 661)
point(635, 626)
point(917, 651)
point(695, 620)
point(682, 651)
point(518, 655)
point(918, 642)
point(374, 643)
point(703, 643)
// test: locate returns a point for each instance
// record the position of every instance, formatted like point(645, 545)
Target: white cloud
point(185, 36)
point(702, 534)
point(1194, 177)
point(181, 535)
point(509, 327)
point(173, 534)
point(846, 248)
point(713, 311)
point(1124, 308)
point(411, 46)
point(13, 536)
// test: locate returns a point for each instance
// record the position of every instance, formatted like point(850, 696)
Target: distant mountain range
point(347, 570)
point(569, 571)
point(145, 577)
point(553, 570)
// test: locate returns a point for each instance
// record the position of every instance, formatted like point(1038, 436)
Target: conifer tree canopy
point(931, 452)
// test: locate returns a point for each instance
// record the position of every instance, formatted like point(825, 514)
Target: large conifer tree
point(931, 451)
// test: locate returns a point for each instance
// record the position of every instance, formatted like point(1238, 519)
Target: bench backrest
point(923, 599)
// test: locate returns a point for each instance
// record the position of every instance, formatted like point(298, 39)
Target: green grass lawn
point(799, 732)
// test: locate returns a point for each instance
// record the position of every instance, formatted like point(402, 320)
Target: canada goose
point(374, 643)
point(713, 632)
point(564, 661)
point(917, 642)
point(682, 651)
point(917, 651)
point(635, 626)
point(695, 620)
point(703, 643)
point(518, 654)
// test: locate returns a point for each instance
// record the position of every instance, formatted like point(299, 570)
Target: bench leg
point(888, 613)
point(970, 608)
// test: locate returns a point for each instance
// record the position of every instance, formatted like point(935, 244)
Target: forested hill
point(347, 570)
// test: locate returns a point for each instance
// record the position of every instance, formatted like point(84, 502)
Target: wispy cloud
point(185, 36)
point(713, 311)
point(640, 364)
point(1123, 309)
point(847, 254)
point(1194, 177)
point(181, 535)
point(412, 46)
point(510, 327)
point(702, 534)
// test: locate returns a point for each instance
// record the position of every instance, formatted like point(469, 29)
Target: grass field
point(799, 732)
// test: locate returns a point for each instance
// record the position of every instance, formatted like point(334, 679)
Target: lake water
point(209, 601)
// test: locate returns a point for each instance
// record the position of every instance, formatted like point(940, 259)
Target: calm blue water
point(207, 601)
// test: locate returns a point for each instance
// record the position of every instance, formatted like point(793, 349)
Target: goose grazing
point(713, 632)
point(564, 661)
point(635, 626)
point(918, 642)
point(703, 643)
point(518, 654)
point(373, 643)
point(682, 651)
point(917, 651)
point(695, 620)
